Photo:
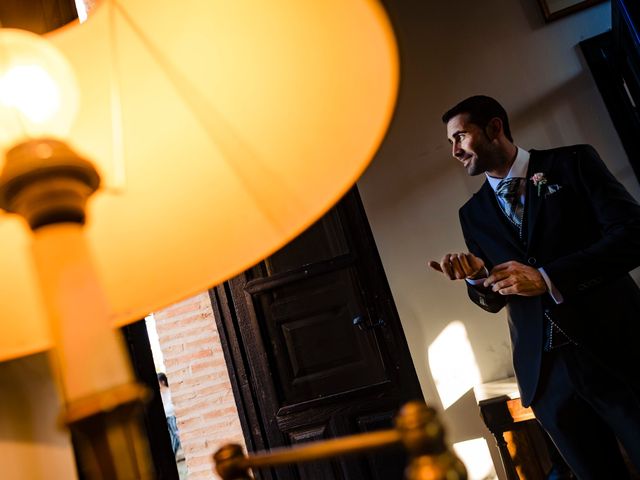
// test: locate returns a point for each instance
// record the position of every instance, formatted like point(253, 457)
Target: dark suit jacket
point(586, 236)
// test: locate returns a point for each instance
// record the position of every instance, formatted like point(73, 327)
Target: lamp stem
point(89, 352)
point(48, 184)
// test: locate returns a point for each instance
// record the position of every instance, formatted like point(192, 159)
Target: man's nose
point(457, 151)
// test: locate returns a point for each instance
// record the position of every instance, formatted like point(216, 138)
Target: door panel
point(327, 470)
point(317, 349)
point(315, 333)
point(323, 241)
point(382, 466)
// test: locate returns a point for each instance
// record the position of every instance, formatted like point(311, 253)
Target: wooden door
point(315, 347)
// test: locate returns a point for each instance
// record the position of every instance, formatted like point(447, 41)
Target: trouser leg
point(173, 433)
point(583, 438)
point(617, 403)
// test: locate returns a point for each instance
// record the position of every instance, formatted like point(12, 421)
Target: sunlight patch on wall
point(477, 458)
point(158, 358)
point(452, 363)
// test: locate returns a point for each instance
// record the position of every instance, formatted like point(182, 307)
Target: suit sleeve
point(616, 251)
point(485, 298)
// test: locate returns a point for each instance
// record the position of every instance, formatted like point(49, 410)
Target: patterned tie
point(510, 200)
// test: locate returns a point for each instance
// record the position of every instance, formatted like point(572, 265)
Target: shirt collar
point(518, 169)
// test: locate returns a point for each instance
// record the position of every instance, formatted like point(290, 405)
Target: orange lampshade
point(222, 129)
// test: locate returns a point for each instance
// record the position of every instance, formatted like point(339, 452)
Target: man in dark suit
point(552, 236)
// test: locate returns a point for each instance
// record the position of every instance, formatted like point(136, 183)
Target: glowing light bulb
point(38, 94)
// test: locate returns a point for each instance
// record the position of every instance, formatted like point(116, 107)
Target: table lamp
point(207, 133)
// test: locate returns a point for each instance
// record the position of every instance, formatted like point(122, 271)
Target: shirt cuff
point(553, 291)
point(478, 281)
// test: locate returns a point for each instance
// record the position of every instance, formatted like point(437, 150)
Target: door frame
point(243, 345)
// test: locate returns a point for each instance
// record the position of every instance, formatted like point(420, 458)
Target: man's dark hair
point(481, 109)
point(162, 379)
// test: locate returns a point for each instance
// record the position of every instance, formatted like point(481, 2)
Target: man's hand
point(515, 278)
point(457, 266)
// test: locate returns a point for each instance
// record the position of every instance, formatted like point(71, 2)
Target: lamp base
point(46, 182)
point(109, 435)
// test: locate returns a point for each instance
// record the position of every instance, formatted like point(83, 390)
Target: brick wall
point(199, 382)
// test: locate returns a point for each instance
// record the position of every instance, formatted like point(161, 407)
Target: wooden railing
point(417, 429)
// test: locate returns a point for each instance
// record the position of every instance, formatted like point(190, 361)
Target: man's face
point(470, 145)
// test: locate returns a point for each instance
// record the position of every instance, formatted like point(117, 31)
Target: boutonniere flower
point(539, 180)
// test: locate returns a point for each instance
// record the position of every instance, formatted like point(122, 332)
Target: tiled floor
point(182, 469)
point(183, 472)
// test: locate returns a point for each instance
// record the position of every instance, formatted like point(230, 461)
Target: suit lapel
point(537, 163)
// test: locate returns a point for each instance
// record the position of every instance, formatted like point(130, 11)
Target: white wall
point(32, 447)
point(412, 191)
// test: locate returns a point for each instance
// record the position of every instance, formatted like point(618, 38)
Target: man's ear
point(494, 128)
